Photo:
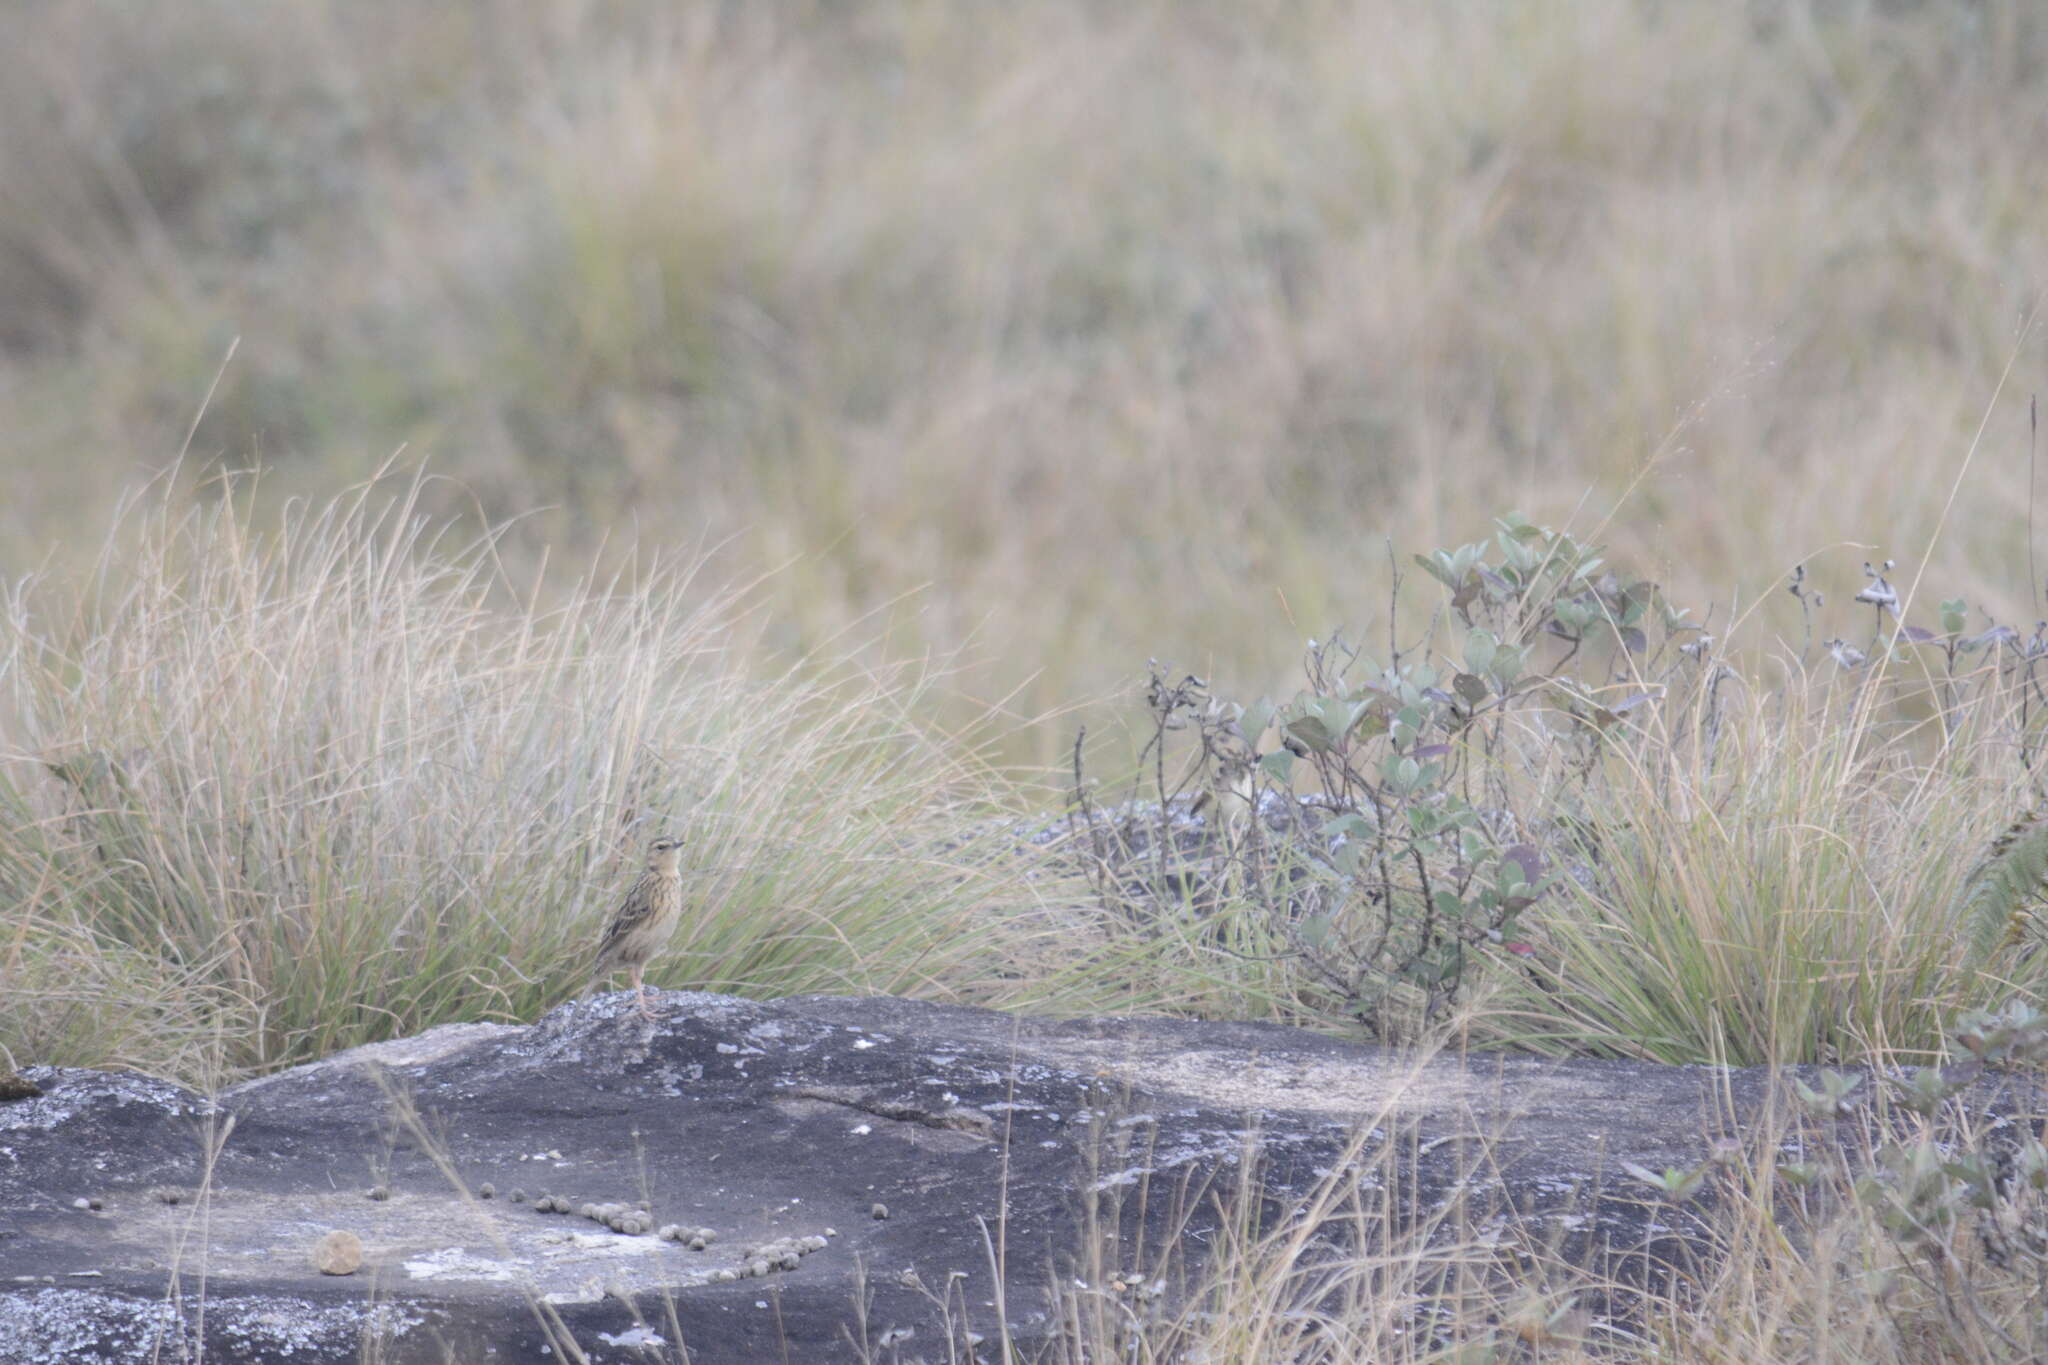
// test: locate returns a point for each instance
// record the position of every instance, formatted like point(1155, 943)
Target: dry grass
point(1790, 891)
point(1103, 331)
point(277, 793)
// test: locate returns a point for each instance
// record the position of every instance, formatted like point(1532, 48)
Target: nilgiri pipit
point(644, 919)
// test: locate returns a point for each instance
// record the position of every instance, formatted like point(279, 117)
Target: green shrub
point(1562, 817)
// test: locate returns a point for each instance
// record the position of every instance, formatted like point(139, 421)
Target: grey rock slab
point(785, 1122)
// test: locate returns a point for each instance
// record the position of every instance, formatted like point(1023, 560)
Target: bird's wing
point(631, 915)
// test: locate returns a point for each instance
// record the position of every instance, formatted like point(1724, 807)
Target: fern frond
point(1999, 888)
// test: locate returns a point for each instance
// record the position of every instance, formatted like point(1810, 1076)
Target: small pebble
point(879, 1212)
point(487, 1191)
point(518, 1196)
point(380, 1193)
point(81, 1203)
point(338, 1253)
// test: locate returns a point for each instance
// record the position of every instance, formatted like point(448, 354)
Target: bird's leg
point(640, 992)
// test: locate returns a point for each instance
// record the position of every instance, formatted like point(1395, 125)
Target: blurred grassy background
point(1045, 337)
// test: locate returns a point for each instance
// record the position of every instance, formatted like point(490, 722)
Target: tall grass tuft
point(1788, 889)
point(269, 793)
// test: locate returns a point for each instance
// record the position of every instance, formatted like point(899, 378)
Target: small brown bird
point(644, 919)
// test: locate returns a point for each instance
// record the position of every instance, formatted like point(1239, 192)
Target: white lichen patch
point(83, 1327)
point(641, 1338)
point(459, 1263)
point(590, 1291)
point(71, 1094)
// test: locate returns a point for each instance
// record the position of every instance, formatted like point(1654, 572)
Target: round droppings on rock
point(81, 1203)
point(338, 1253)
point(518, 1196)
point(879, 1212)
point(696, 1243)
point(669, 1232)
point(709, 1235)
point(723, 1277)
point(758, 1269)
point(487, 1191)
point(380, 1193)
point(167, 1195)
point(791, 1260)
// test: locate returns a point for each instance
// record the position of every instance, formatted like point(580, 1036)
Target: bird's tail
point(602, 970)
